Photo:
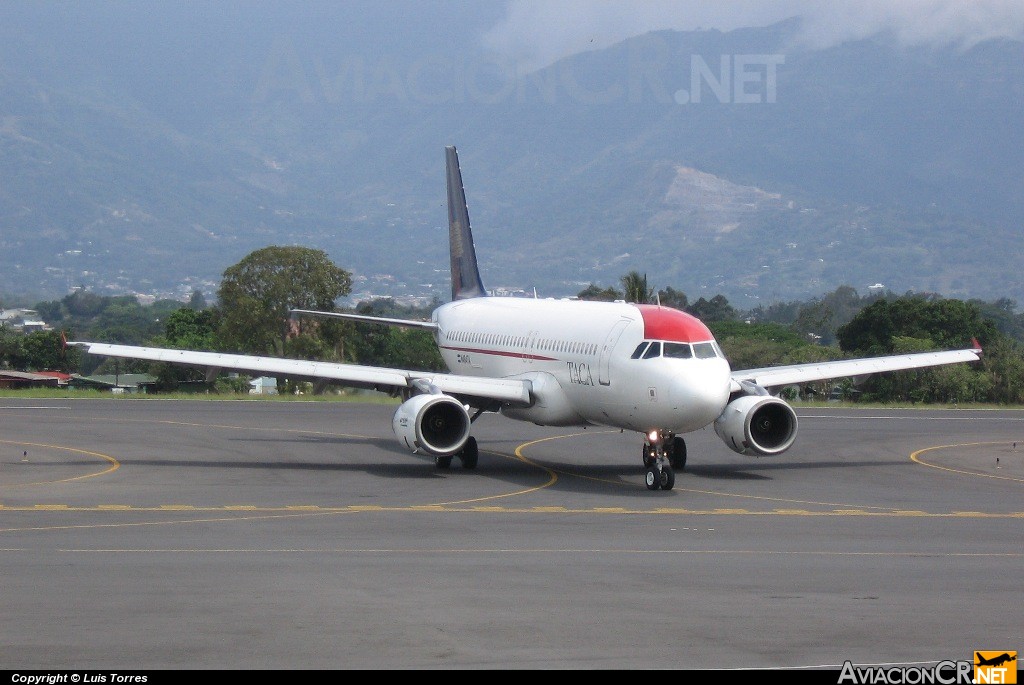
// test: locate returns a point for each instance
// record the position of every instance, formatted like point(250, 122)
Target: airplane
point(994, 661)
point(644, 368)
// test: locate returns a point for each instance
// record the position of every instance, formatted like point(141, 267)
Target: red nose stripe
point(665, 323)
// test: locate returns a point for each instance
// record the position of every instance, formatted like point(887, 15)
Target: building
point(264, 385)
point(23, 320)
point(116, 383)
point(20, 380)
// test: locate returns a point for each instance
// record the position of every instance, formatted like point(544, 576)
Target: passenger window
point(653, 351)
point(678, 350)
point(639, 351)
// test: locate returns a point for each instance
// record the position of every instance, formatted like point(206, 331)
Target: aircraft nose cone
point(701, 392)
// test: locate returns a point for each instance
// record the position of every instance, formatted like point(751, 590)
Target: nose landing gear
point(663, 454)
point(660, 476)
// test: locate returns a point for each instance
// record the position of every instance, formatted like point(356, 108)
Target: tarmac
point(176, 535)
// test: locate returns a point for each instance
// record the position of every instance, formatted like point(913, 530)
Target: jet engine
point(757, 425)
point(437, 424)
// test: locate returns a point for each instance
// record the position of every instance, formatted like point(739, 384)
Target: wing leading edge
point(773, 377)
point(490, 389)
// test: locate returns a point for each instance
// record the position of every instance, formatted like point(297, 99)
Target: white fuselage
point(583, 361)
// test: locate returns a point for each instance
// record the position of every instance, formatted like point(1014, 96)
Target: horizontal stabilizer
point(406, 323)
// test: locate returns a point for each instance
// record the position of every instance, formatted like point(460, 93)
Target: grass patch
point(899, 405)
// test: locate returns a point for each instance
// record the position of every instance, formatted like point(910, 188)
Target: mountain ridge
point(877, 164)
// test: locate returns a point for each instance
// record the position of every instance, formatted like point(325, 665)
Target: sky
point(528, 33)
point(179, 58)
point(538, 32)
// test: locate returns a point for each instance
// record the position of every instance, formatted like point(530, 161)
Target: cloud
point(915, 22)
point(534, 33)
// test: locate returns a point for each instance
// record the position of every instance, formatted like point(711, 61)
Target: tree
point(12, 350)
point(777, 312)
point(946, 324)
point(38, 351)
point(46, 351)
point(191, 329)
point(51, 312)
point(1003, 314)
point(670, 297)
point(82, 303)
point(381, 345)
point(197, 301)
point(594, 292)
point(257, 295)
point(755, 345)
point(635, 288)
point(715, 309)
point(185, 329)
point(124, 320)
point(1004, 362)
point(917, 323)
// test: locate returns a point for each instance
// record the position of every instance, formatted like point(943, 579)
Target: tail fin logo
point(466, 281)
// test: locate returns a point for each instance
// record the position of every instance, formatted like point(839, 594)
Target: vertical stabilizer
point(466, 281)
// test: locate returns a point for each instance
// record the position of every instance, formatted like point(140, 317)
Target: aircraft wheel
point(648, 458)
point(678, 456)
point(668, 478)
point(470, 454)
point(443, 463)
point(653, 478)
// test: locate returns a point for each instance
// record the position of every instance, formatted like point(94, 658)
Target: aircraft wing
point(778, 376)
point(355, 375)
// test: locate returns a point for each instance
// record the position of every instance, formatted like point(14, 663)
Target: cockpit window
point(639, 351)
point(705, 350)
point(675, 350)
point(653, 351)
point(678, 350)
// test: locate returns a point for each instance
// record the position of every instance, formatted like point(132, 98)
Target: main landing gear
point(469, 455)
point(664, 453)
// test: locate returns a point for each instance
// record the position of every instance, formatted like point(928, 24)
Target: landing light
point(654, 437)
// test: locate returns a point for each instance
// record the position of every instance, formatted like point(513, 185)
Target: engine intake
point(436, 424)
point(757, 425)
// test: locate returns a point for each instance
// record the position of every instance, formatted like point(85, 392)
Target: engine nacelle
point(757, 425)
point(436, 424)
